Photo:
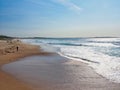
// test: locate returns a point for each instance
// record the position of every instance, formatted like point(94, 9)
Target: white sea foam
point(101, 44)
point(104, 64)
point(104, 39)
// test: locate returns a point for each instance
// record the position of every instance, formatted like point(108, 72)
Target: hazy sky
point(60, 18)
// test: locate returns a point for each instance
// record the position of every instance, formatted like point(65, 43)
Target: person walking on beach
point(17, 48)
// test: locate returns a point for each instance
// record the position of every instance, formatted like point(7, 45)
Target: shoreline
point(94, 81)
point(53, 72)
point(7, 81)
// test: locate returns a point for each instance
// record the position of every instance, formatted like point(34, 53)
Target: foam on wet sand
point(53, 72)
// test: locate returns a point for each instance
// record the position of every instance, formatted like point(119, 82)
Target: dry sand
point(8, 53)
point(55, 72)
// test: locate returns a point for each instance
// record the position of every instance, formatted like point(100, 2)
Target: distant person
point(17, 48)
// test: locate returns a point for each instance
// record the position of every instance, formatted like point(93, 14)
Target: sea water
point(102, 54)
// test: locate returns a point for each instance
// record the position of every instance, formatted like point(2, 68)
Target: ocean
point(102, 54)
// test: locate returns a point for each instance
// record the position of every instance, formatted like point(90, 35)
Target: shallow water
point(102, 54)
point(56, 73)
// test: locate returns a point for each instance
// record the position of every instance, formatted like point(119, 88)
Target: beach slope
point(9, 53)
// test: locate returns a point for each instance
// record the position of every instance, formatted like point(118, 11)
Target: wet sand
point(53, 72)
point(8, 53)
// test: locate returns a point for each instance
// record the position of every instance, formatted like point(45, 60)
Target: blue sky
point(60, 18)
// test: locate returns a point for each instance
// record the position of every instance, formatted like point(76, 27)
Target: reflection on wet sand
point(54, 72)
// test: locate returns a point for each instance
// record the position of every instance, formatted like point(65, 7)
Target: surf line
point(83, 59)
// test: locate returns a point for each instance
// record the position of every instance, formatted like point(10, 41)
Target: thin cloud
point(69, 4)
point(66, 3)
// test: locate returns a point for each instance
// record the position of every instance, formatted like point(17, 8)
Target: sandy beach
point(8, 53)
point(59, 44)
point(44, 71)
